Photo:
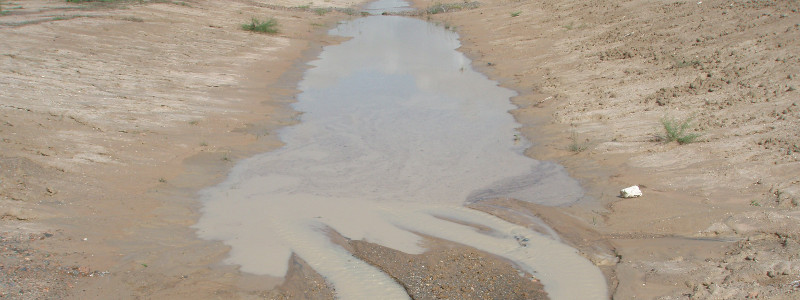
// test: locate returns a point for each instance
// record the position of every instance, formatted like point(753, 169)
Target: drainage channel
point(397, 134)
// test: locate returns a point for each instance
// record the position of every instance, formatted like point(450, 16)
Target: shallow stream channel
point(397, 134)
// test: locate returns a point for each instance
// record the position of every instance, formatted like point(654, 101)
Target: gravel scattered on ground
point(452, 272)
point(29, 273)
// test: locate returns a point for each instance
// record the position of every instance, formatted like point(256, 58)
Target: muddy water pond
point(397, 133)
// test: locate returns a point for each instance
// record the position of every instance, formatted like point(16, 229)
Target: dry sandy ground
point(719, 217)
point(111, 117)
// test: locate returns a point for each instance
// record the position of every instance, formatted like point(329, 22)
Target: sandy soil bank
point(596, 78)
point(112, 115)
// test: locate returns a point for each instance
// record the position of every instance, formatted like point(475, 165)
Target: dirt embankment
point(108, 110)
point(596, 78)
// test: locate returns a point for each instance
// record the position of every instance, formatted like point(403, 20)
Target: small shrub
point(515, 14)
point(348, 11)
point(321, 11)
point(256, 25)
point(675, 130)
point(576, 145)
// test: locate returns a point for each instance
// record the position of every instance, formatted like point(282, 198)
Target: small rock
point(771, 274)
point(630, 192)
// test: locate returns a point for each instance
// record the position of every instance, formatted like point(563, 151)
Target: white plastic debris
point(630, 192)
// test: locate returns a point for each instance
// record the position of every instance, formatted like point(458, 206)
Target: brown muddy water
point(397, 134)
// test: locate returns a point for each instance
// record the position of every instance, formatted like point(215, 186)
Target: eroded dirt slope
point(105, 106)
point(596, 78)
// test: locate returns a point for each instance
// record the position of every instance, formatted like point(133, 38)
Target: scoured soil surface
point(719, 216)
